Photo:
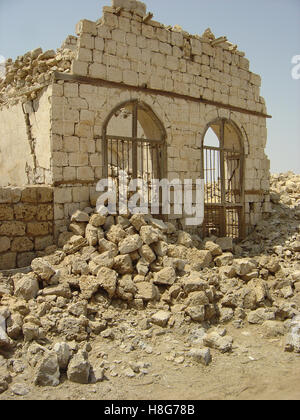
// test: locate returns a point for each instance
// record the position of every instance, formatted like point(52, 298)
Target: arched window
point(223, 169)
point(134, 142)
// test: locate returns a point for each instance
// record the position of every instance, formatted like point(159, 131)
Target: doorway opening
point(134, 142)
point(223, 173)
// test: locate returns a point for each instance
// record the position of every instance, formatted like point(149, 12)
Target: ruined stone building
point(128, 93)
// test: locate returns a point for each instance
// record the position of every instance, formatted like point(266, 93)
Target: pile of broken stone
point(32, 71)
point(111, 266)
point(279, 234)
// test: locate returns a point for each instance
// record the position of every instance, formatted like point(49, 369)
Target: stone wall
point(26, 224)
point(77, 146)
point(187, 80)
point(13, 159)
point(25, 77)
point(131, 50)
point(25, 151)
point(123, 47)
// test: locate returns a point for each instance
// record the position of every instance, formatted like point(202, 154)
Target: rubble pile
point(120, 279)
point(279, 234)
point(29, 73)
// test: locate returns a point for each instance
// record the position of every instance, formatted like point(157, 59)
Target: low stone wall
point(26, 224)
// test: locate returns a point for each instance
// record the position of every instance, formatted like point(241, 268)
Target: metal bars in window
point(224, 186)
point(139, 157)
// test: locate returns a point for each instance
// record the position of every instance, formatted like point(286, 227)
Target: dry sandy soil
point(257, 369)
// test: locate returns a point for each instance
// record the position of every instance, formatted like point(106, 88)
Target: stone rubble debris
point(129, 283)
point(293, 337)
point(33, 71)
point(4, 340)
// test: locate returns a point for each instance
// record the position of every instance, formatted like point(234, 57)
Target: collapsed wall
point(30, 73)
point(25, 149)
point(25, 114)
point(63, 98)
point(188, 81)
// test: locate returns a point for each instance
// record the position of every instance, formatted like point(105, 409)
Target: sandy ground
point(257, 369)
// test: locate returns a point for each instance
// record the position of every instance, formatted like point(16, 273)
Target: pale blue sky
point(267, 30)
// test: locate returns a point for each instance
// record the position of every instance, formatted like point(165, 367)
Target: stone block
point(114, 75)
point(44, 212)
point(24, 259)
point(25, 212)
point(110, 20)
point(99, 44)
point(163, 35)
point(70, 209)
point(196, 46)
point(158, 59)
point(71, 90)
point(4, 243)
point(95, 161)
point(6, 212)
point(85, 174)
point(44, 195)
point(87, 41)
point(226, 244)
point(78, 228)
point(8, 260)
point(81, 194)
point(41, 243)
point(87, 145)
point(85, 55)
point(87, 27)
point(94, 195)
point(82, 129)
point(29, 195)
point(10, 195)
point(172, 63)
point(131, 5)
point(69, 174)
point(146, 291)
point(130, 77)
point(60, 159)
point(118, 36)
point(80, 68)
point(57, 90)
point(37, 228)
point(148, 31)
point(21, 244)
point(71, 144)
point(165, 48)
point(63, 195)
point(5, 196)
point(161, 318)
point(98, 70)
point(255, 79)
point(135, 27)
point(12, 229)
point(59, 212)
